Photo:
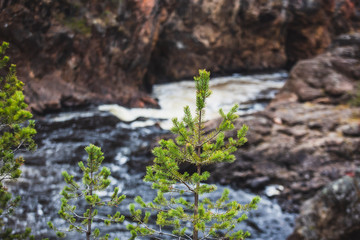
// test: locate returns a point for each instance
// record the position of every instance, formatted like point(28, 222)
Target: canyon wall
point(72, 53)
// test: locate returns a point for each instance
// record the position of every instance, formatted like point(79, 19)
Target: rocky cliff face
point(232, 35)
point(76, 52)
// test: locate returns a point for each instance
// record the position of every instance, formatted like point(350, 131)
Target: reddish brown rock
point(229, 35)
point(313, 24)
point(78, 52)
point(69, 53)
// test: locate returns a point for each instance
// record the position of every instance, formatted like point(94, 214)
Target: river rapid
point(126, 137)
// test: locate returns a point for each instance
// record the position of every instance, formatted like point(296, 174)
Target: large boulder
point(333, 213)
point(330, 77)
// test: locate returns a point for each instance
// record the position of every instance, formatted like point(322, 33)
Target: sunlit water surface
point(126, 137)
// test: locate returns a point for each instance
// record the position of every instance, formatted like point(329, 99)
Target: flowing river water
point(126, 137)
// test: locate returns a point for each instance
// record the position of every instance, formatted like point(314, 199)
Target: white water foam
point(173, 97)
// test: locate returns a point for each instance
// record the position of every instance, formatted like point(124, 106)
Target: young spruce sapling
point(178, 203)
point(94, 180)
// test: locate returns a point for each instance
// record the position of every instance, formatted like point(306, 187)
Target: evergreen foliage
point(15, 135)
point(207, 219)
point(94, 180)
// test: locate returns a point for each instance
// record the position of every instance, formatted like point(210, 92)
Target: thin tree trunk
point(196, 206)
point(88, 232)
point(196, 197)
